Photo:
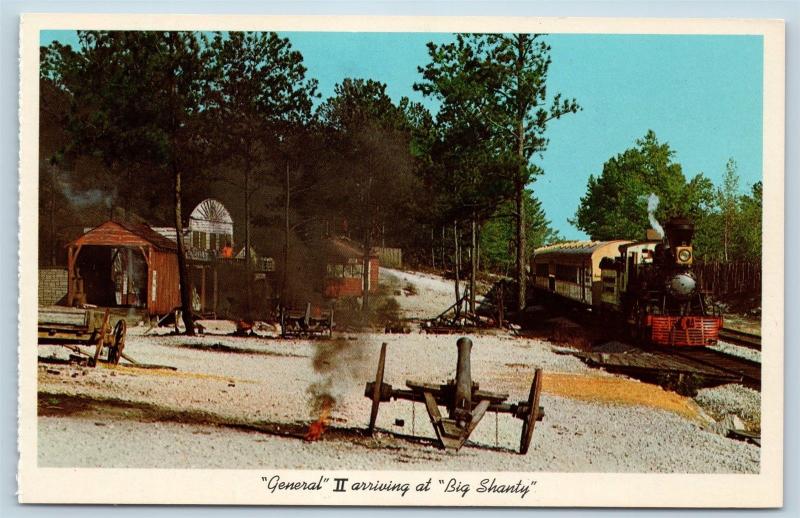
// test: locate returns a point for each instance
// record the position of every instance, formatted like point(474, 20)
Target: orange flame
point(317, 428)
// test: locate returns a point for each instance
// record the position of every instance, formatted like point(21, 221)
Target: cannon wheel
point(376, 391)
point(530, 420)
point(115, 351)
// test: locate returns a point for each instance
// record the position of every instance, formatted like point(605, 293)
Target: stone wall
point(52, 285)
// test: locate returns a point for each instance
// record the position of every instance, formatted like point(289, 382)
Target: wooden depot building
point(123, 264)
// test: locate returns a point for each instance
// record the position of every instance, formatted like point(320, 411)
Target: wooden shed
point(124, 264)
point(344, 267)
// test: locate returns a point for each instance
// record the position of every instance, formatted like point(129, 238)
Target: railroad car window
point(567, 273)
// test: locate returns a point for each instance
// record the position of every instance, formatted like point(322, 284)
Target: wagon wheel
point(376, 391)
point(533, 410)
point(103, 337)
point(115, 351)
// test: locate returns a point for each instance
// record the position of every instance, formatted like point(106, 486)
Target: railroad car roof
point(578, 247)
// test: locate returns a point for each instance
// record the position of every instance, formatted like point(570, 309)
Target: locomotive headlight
point(684, 254)
point(682, 285)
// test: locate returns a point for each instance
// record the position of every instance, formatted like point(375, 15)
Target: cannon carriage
point(466, 403)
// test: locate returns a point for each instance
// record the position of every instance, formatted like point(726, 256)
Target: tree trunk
point(519, 184)
point(284, 286)
point(433, 251)
point(365, 270)
point(457, 267)
point(473, 265)
point(370, 217)
point(247, 265)
point(183, 269)
point(52, 215)
point(478, 248)
point(444, 265)
point(520, 243)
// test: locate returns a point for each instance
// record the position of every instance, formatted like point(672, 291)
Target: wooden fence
point(390, 257)
point(729, 278)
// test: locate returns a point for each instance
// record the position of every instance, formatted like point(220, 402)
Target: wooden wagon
point(75, 329)
point(296, 322)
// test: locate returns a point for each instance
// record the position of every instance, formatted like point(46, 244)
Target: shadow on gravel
point(104, 410)
point(222, 348)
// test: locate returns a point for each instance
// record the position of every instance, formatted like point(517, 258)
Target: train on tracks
point(650, 284)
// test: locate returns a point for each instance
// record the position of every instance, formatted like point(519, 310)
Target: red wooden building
point(124, 264)
point(344, 267)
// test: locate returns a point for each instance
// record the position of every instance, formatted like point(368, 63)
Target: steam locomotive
point(650, 284)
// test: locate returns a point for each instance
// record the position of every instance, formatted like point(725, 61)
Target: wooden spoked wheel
point(533, 410)
point(376, 391)
point(118, 345)
point(103, 337)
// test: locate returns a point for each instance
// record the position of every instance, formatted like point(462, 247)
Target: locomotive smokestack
point(652, 205)
point(680, 232)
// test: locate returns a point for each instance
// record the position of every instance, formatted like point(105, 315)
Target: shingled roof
point(124, 233)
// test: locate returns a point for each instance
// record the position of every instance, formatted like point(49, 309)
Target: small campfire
point(317, 428)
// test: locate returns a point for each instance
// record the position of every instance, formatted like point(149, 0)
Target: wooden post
point(70, 276)
point(202, 289)
point(473, 266)
point(457, 266)
point(215, 297)
point(500, 304)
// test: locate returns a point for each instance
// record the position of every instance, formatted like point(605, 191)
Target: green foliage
point(499, 81)
point(615, 203)
point(258, 96)
point(494, 86)
point(134, 107)
point(497, 234)
point(731, 228)
point(370, 177)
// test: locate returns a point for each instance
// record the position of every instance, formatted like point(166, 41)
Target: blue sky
point(701, 94)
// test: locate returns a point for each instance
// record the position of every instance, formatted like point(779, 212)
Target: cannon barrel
point(462, 405)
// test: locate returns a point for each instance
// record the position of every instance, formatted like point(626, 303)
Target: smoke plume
point(652, 205)
point(86, 198)
point(338, 362)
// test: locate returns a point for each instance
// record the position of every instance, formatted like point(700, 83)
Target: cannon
point(466, 403)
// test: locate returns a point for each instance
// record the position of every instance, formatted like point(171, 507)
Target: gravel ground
point(738, 350)
point(732, 399)
point(262, 382)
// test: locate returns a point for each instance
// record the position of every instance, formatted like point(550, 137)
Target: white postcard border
point(38, 485)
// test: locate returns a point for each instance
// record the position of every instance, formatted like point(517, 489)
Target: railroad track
point(736, 337)
point(747, 371)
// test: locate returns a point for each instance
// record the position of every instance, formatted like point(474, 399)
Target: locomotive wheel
point(376, 391)
point(115, 351)
point(530, 420)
